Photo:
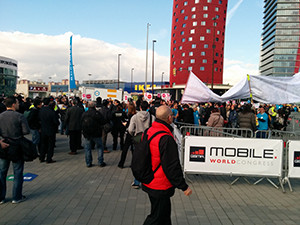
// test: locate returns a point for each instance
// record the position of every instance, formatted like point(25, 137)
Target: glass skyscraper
point(280, 49)
point(8, 76)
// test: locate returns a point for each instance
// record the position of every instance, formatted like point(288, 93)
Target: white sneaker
point(18, 201)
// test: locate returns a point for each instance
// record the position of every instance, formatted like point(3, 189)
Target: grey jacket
point(13, 125)
point(139, 122)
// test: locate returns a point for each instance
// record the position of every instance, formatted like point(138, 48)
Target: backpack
point(141, 164)
point(88, 125)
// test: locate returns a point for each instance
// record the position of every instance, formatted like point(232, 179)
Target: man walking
point(72, 120)
point(12, 128)
point(92, 122)
point(168, 176)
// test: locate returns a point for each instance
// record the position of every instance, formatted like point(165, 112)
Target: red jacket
point(164, 150)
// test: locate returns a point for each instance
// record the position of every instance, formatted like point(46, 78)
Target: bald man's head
point(163, 113)
point(91, 104)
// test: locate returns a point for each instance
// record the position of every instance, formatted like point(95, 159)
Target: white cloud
point(235, 70)
point(41, 56)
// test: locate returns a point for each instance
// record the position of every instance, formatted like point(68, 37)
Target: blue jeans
point(35, 136)
point(18, 178)
point(88, 150)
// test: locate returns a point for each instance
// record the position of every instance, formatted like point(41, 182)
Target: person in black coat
point(187, 114)
point(49, 123)
point(92, 122)
point(72, 120)
point(118, 129)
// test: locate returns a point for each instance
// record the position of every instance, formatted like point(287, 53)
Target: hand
point(188, 191)
point(3, 144)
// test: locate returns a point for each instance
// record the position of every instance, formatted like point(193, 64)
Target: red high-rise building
point(198, 26)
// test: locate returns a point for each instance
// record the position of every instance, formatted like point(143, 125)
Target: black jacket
point(73, 117)
point(33, 119)
point(49, 121)
point(93, 128)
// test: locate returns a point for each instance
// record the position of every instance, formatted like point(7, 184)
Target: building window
point(208, 1)
point(220, 1)
point(183, 54)
point(193, 9)
point(208, 31)
point(182, 61)
point(176, 20)
point(202, 68)
point(191, 53)
point(206, 46)
point(195, 23)
point(186, 17)
point(202, 38)
point(196, 1)
point(184, 25)
point(176, 6)
point(205, 8)
point(194, 16)
point(203, 53)
point(183, 40)
point(205, 15)
point(180, 47)
point(192, 31)
point(175, 27)
point(204, 61)
point(203, 23)
point(182, 11)
point(174, 48)
point(182, 32)
point(192, 61)
point(174, 62)
point(185, 3)
point(172, 56)
point(190, 39)
point(190, 68)
point(174, 41)
point(193, 45)
point(217, 9)
point(218, 32)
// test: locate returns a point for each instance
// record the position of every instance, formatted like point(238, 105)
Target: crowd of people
point(88, 124)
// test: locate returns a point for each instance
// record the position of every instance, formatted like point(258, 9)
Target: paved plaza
point(69, 193)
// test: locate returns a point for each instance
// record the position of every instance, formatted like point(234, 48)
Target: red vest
point(160, 181)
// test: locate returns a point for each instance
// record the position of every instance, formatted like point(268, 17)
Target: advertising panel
point(294, 159)
point(234, 156)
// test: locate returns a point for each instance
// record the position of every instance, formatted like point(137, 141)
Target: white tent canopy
point(264, 89)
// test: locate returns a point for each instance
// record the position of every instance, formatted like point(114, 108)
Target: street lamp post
point(119, 55)
point(131, 79)
point(153, 67)
point(90, 79)
point(148, 25)
point(213, 52)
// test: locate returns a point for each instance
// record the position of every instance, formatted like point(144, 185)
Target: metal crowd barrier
point(189, 129)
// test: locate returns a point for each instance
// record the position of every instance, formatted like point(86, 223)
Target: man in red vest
point(164, 154)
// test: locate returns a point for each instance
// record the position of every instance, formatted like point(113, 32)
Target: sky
point(37, 34)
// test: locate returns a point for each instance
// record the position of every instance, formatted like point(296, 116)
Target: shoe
point(135, 186)
point(121, 167)
point(106, 151)
point(42, 160)
point(102, 164)
point(18, 201)
point(2, 202)
point(72, 153)
point(88, 166)
point(51, 161)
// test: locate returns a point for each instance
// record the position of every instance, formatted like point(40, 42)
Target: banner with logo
point(294, 159)
point(234, 156)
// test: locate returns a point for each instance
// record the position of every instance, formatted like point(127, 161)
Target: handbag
point(29, 151)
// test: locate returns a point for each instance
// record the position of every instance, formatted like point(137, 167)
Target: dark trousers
point(160, 211)
point(127, 144)
point(75, 140)
point(115, 139)
point(47, 147)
